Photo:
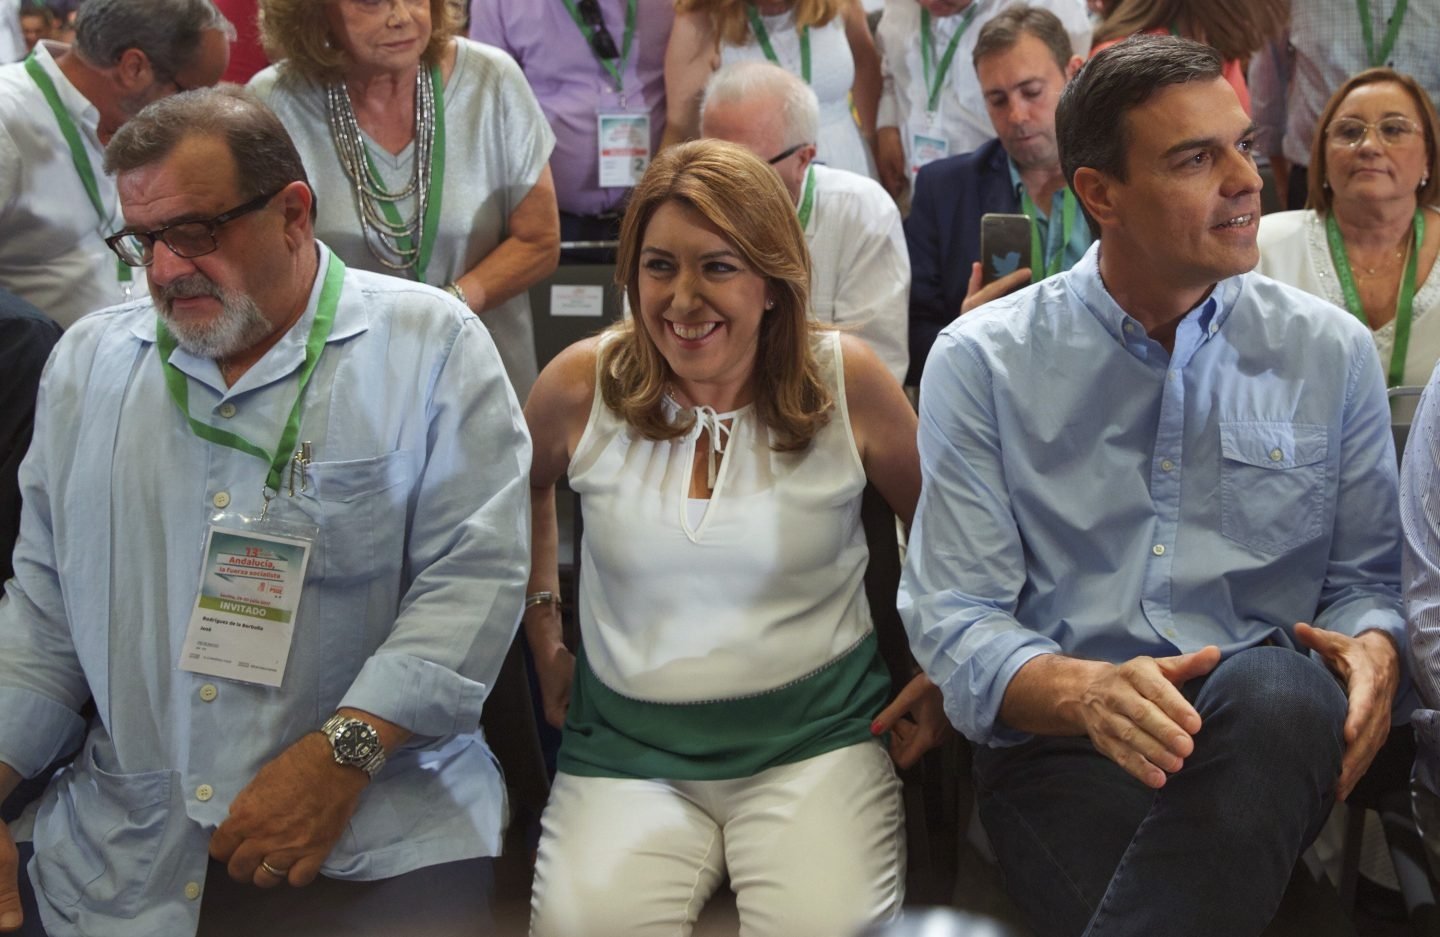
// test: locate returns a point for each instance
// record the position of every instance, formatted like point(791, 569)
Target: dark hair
point(167, 31)
point(265, 157)
point(1090, 121)
point(1001, 33)
point(1319, 196)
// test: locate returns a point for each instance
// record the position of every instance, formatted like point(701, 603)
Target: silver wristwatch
point(354, 742)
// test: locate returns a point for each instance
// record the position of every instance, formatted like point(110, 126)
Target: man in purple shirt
point(597, 68)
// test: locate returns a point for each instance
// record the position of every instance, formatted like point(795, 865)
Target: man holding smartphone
point(1143, 480)
point(1023, 58)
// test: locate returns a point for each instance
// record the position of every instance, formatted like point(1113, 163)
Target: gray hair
point(265, 157)
point(744, 81)
point(167, 31)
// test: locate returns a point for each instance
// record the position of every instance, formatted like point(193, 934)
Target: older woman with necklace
point(429, 153)
point(1369, 238)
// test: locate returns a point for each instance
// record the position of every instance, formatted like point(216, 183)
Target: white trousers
point(812, 849)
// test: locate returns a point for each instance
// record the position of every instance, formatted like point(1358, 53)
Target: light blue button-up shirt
point(1420, 519)
point(420, 491)
point(1087, 493)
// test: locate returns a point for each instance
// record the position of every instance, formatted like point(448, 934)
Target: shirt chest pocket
point(361, 507)
point(1272, 483)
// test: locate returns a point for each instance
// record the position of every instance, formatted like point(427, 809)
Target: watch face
point(356, 742)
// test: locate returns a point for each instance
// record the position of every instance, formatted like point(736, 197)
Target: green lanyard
point(319, 331)
point(807, 198)
point(1403, 305)
point(763, 37)
point(78, 156)
point(437, 186)
point(1392, 33)
point(934, 84)
point(1067, 220)
point(616, 69)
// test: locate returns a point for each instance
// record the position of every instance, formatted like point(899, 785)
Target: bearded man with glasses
point(276, 523)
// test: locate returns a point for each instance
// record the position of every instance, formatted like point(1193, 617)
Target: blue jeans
point(1087, 849)
point(448, 900)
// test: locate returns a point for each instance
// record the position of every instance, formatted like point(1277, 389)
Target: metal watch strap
point(331, 730)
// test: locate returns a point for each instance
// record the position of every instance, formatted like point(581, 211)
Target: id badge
point(624, 147)
point(927, 144)
point(243, 622)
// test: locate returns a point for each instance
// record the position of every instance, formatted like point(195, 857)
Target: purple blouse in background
point(572, 86)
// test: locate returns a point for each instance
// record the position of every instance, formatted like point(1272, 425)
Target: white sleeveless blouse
point(765, 589)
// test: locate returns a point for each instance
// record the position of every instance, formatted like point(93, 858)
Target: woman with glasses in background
point(1369, 237)
point(428, 153)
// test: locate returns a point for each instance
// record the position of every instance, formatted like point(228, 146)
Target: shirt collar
point(86, 115)
point(1209, 316)
point(286, 355)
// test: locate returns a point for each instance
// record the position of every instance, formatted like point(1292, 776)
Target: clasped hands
point(1136, 716)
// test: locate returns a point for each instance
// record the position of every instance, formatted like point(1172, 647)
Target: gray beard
point(241, 324)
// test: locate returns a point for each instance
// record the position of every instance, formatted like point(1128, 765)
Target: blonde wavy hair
point(298, 32)
point(744, 198)
point(732, 26)
point(1236, 29)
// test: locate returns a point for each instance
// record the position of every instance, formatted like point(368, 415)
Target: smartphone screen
point(1004, 245)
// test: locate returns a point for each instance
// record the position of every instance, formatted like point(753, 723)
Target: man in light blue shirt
point(402, 461)
point(1138, 477)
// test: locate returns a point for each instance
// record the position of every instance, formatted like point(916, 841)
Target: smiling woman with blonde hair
point(720, 716)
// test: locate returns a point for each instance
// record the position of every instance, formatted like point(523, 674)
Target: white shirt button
point(208, 692)
point(1174, 375)
point(1276, 455)
point(1158, 549)
point(204, 792)
point(221, 499)
point(192, 890)
point(1130, 327)
point(1167, 466)
point(227, 410)
point(1214, 327)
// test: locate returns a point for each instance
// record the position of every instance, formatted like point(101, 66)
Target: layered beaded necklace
point(394, 241)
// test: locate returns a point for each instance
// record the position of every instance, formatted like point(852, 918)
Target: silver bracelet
point(454, 289)
point(542, 598)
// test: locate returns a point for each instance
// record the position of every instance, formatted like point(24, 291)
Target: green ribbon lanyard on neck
point(78, 156)
point(615, 68)
point(319, 332)
point(763, 37)
point(935, 78)
point(807, 199)
point(1051, 264)
point(431, 222)
point(1376, 57)
point(1404, 303)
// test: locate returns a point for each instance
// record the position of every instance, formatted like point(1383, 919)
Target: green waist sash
point(611, 735)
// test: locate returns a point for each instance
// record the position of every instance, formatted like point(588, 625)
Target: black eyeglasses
point(601, 41)
point(787, 154)
point(185, 238)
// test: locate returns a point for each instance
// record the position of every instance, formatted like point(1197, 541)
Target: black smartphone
point(1004, 245)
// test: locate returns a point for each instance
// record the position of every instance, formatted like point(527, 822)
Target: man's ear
point(133, 71)
point(1098, 192)
point(1072, 68)
point(806, 156)
point(296, 200)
